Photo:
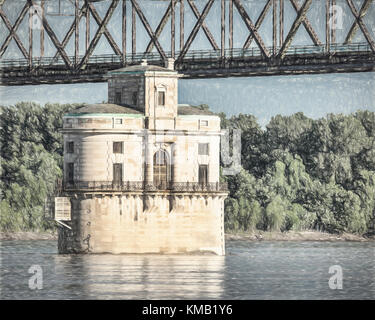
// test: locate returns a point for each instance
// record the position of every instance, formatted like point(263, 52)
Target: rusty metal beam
point(123, 34)
point(328, 33)
point(207, 32)
point(281, 22)
point(230, 24)
point(196, 28)
point(148, 29)
point(245, 17)
point(333, 30)
point(76, 32)
point(274, 26)
point(30, 38)
point(354, 28)
point(361, 24)
point(87, 17)
point(42, 32)
point(98, 20)
point(258, 23)
point(222, 28)
point(160, 27)
point(53, 37)
point(99, 33)
point(173, 43)
point(134, 31)
point(13, 30)
point(306, 23)
point(293, 30)
point(182, 23)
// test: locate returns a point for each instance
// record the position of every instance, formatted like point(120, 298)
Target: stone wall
point(151, 223)
point(93, 155)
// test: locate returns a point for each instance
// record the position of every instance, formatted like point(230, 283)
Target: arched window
point(161, 169)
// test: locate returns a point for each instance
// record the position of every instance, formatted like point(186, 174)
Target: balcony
point(128, 186)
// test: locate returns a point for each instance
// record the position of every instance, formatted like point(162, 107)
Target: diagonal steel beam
point(98, 33)
point(361, 24)
point(12, 31)
point(258, 23)
point(306, 23)
point(148, 29)
point(293, 30)
point(196, 28)
point(160, 28)
point(52, 36)
point(207, 32)
point(354, 28)
point(70, 32)
point(245, 17)
point(98, 20)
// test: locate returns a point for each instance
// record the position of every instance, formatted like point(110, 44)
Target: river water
point(250, 270)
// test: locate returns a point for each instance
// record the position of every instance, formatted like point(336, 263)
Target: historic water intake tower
point(141, 173)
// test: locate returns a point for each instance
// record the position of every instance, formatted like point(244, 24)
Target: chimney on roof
point(144, 62)
point(169, 63)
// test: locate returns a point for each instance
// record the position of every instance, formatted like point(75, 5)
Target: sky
point(264, 97)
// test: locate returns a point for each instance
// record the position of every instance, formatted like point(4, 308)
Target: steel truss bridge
point(254, 58)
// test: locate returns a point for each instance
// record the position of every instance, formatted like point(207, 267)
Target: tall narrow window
point(70, 147)
point(203, 174)
point(117, 147)
point(70, 172)
point(161, 98)
point(161, 169)
point(118, 98)
point(117, 173)
point(203, 149)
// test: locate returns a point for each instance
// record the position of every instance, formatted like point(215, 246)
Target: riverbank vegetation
point(31, 161)
point(304, 174)
point(297, 173)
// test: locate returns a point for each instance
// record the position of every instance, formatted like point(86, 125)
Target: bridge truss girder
point(88, 10)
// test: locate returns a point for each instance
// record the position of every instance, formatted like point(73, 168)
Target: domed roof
point(104, 108)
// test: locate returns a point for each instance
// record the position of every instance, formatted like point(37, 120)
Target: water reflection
point(141, 277)
point(250, 270)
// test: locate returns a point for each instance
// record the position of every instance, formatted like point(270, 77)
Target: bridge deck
point(357, 57)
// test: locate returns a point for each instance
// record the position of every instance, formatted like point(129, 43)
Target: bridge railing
point(193, 55)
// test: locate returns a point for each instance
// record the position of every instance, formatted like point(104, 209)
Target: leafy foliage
point(31, 161)
point(299, 173)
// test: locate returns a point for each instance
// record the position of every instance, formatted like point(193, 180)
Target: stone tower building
point(141, 173)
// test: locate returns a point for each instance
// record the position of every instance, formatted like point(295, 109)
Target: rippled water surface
point(250, 270)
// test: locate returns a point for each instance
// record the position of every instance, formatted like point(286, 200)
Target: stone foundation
point(145, 223)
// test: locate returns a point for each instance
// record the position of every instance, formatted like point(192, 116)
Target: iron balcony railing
point(193, 55)
point(127, 186)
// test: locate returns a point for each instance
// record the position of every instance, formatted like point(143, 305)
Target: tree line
point(304, 174)
point(297, 173)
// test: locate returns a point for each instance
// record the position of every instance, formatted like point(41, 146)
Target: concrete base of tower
point(145, 223)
